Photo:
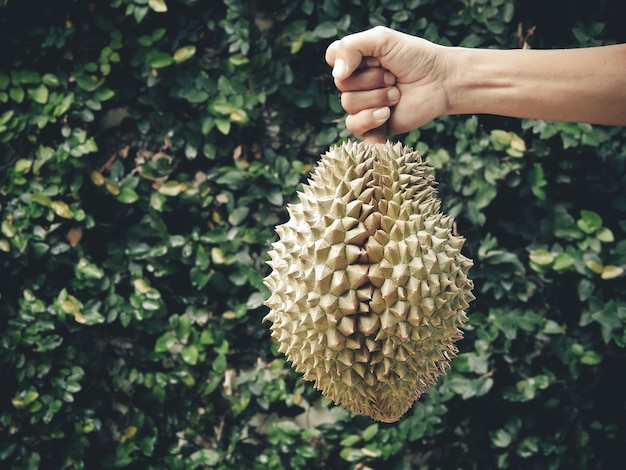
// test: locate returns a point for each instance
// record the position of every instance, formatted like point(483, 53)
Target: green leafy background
point(147, 150)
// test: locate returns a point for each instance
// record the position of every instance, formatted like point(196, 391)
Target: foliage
point(148, 148)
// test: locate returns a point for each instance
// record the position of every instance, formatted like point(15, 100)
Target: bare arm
point(577, 85)
point(388, 76)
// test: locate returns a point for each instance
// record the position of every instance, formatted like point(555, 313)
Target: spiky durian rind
point(368, 283)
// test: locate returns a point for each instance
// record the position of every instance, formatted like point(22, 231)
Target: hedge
point(147, 150)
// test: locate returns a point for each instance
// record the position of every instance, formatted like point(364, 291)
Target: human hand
point(386, 76)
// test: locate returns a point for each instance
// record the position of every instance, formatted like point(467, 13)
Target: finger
point(331, 52)
point(370, 62)
point(356, 101)
point(366, 120)
point(350, 51)
point(366, 79)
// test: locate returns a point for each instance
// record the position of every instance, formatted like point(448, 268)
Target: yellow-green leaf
point(611, 272)
point(112, 187)
point(41, 198)
point(6, 116)
point(595, 267)
point(70, 304)
point(22, 165)
point(97, 178)
point(517, 143)
point(24, 399)
point(8, 229)
point(605, 235)
point(128, 433)
point(542, 257)
point(61, 209)
point(184, 53)
point(158, 5)
point(238, 115)
point(297, 44)
point(501, 137)
point(217, 255)
point(141, 286)
point(223, 125)
point(172, 188)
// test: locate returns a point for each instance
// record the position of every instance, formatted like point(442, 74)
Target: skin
point(386, 76)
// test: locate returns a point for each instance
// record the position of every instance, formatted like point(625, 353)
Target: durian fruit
point(368, 283)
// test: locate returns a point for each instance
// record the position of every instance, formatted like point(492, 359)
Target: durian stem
point(376, 136)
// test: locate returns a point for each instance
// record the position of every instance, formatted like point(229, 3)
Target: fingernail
point(339, 69)
point(393, 94)
point(389, 79)
point(381, 114)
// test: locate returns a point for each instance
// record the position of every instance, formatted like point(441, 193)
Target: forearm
point(577, 85)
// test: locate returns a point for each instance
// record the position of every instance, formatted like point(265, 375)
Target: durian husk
point(368, 284)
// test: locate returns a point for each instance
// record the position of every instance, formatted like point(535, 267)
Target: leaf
point(589, 221)
point(204, 458)
point(552, 328)
point(50, 80)
point(238, 215)
point(89, 270)
point(39, 94)
point(605, 235)
point(541, 257)
point(103, 94)
point(61, 209)
point(97, 178)
point(112, 187)
point(165, 342)
point(4, 81)
point(23, 399)
point(184, 53)
point(326, 30)
point(255, 300)
point(141, 286)
point(370, 431)
point(538, 181)
point(23, 165)
point(172, 188)
point(6, 116)
point(275, 198)
point(591, 358)
point(563, 262)
point(297, 44)
point(238, 115)
point(17, 94)
point(87, 82)
point(27, 77)
point(158, 5)
point(127, 195)
point(517, 144)
point(595, 266)
point(501, 438)
point(189, 354)
point(158, 60)
point(611, 272)
point(472, 40)
point(223, 125)
point(128, 433)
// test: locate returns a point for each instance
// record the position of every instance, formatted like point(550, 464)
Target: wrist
point(474, 83)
